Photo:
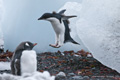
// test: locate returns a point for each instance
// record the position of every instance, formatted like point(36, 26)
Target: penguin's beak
point(40, 18)
point(34, 44)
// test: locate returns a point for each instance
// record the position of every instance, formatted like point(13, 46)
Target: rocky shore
point(70, 65)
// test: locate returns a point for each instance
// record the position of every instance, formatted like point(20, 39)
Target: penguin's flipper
point(67, 17)
point(12, 68)
point(62, 11)
point(17, 67)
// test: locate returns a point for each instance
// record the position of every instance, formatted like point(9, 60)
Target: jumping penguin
point(60, 25)
point(24, 59)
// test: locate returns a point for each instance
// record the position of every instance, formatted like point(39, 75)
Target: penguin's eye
point(27, 44)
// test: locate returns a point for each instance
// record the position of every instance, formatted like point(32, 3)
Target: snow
point(26, 76)
point(98, 26)
point(4, 65)
point(34, 76)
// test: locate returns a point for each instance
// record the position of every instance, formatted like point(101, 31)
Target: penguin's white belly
point(28, 61)
point(58, 27)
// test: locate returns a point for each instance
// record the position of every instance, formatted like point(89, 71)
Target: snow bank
point(4, 65)
point(98, 26)
point(35, 76)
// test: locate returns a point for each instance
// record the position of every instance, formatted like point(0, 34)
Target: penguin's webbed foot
point(57, 46)
point(54, 46)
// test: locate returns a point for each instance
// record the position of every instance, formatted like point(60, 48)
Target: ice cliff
point(98, 26)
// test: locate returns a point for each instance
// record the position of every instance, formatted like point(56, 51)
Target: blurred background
point(19, 23)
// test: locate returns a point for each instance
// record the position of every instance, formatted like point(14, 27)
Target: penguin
point(60, 24)
point(24, 59)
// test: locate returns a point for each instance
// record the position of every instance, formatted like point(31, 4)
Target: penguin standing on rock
point(24, 59)
point(60, 25)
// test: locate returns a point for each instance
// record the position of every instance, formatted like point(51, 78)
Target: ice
point(33, 76)
point(98, 26)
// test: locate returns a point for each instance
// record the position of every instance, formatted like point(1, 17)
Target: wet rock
point(77, 78)
point(5, 71)
point(86, 78)
point(76, 65)
point(60, 76)
point(71, 74)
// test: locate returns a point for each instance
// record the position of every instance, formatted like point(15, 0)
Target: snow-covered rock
point(98, 26)
point(34, 76)
point(60, 76)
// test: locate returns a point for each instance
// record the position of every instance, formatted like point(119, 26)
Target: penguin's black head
point(52, 17)
point(29, 46)
point(46, 16)
point(26, 46)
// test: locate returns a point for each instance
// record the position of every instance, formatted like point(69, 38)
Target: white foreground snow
point(4, 66)
point(34, 76)
point(29, 76)
point(98, 26)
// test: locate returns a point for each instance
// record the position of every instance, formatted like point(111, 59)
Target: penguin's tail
point(71, 40)
point(74, 42)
